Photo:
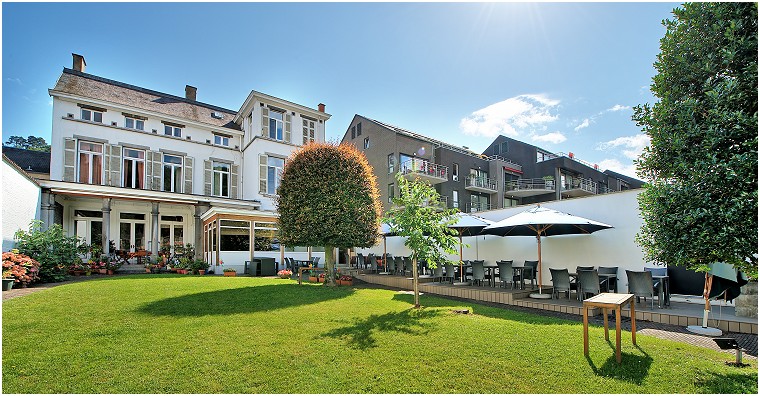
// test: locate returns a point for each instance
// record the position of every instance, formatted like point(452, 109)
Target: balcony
point(528, 187)
point(579, 188)
point(426, 171)
point(473, 207)
point(480, 184)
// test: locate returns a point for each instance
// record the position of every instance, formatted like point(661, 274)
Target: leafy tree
point(328, 197)
point(31, 143)
point(425, 226)
point(51, 248)
point(700, 205)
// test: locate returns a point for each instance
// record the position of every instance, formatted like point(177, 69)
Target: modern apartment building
point(143, 168)
point(508, 173)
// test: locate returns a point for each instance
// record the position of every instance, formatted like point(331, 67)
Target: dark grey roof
point(29, 160)
point(623, 177)
point(90, 86)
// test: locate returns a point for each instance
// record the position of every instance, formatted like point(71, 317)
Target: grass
point(181, 334)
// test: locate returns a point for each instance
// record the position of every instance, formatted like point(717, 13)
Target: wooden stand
point(608, 301)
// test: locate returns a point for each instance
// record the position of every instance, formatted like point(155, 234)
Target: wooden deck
point(679, 313)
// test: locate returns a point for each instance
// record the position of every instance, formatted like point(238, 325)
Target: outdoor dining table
point(608, 301)
point(665, 289)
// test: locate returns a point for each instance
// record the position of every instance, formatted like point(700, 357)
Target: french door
point(132, 235)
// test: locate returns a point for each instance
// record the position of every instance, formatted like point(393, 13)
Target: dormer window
point(221, 140)
point(133, 123)
point(92, 115)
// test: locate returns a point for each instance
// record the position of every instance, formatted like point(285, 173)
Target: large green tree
point(328, 197)
point(700, 203)
point(416, 215)
point(33, 143)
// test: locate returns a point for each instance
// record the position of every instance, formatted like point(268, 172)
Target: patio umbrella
point(385, 231)
point(467, 225)
point(538, 222)
point(721, 279)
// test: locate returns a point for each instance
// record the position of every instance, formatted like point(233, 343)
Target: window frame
point(309, 129)
point(391, 163)
point(455, 172)
point(276, 172)
point(172, 131)
point(366, 143)
point(455, 198)
point(135, 122)
point(391, 192)
point(273, 132)
point(224, 177)
point(91, 155)
point(137, 181)
point(224, 141)
point(177, 182)
point(91, 116)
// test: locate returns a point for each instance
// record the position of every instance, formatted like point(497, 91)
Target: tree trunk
point(329, 265)
point(414, 282)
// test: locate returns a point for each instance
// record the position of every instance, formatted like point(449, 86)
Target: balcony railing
point(587, 185)
point(485, 184)
point(478, 207)
point(509, 163)
point(529, 184)
point(425, 170)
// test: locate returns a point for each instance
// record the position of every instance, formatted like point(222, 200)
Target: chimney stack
point(190, 92)
point(321, 107)
point(79, 63)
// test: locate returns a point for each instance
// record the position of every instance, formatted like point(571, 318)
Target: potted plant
point(230, 272)
point(285, 273)
point(112, 266)
point(87, 268)
point(8, 280)
point(200, 266)
point(346, 280)
point(322, 278)
point(19, 268)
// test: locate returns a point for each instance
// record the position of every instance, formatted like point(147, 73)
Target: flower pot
point(188, 272)
point(103, 271)
point(8, 284)
point(313, 279)
point(109, 272)
point(78, 273)
point(230, 274)
point(147, 270)
point(345, 282)
point(201, 272)
point(88, 273)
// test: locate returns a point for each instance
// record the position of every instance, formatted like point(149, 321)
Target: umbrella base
point(383, 273)
point(542, 296)
point(461, 284)
point(707, 331)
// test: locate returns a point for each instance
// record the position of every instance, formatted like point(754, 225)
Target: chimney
point(190, 92)
point(321, 107)
point(79, 63)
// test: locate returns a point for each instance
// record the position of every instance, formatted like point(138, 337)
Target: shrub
point(199, 265)
point(285, 273)
point(20, 267)
point(52, 248)
point(229, 270)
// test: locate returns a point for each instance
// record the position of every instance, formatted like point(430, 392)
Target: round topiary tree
point(328, 197)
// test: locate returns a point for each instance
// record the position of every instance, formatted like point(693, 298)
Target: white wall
point(20, 203)
point(608, 248)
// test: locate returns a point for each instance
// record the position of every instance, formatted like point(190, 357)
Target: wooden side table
point(608, 301)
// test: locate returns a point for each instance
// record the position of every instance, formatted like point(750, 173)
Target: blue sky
point(563, 76)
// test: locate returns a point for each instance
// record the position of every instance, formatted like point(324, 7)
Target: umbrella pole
point(704, 329)
point(385, 254)
point(461, 274)
point(538, 238)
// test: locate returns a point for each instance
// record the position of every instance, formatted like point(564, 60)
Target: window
point(266, 237)
point(455, 199)
point(405, 164)
point(510, 202)
point(308, 131)
point(221, 140)
point(455, 172)
point(234, 236)
point(172, 131)
point(92, 115)
point(359, 129)
point(90, 163)
point(134, 123)
point(391, 163)
point(353, 132)
point(366, 143)
point(134, 168)
point(221, 179)
point(496, 149)
point(390, 193)
point(274, 173)
point(276, 124)
point(504, 147)
point(172, 173)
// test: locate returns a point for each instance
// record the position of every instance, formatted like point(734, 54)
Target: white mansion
point(143, 168)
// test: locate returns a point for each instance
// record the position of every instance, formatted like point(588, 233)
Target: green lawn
point(182, 334)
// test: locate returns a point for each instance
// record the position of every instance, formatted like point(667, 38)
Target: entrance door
point(172, 235)
point(131, 236)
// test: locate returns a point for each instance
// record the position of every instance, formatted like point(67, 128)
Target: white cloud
point(510, 116)
point(632, 145)
point(619, 167)
point(586, 122)
point(16, 80)
point(618, 107)
point(554, 137)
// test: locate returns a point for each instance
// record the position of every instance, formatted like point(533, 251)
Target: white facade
point(20, 202)
point(143, 168)
point(614, 247)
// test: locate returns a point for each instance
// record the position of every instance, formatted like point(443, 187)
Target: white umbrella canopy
point(539, 221)
point(467, 225)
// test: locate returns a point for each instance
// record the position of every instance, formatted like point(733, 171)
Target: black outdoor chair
point(640, 285)
point(560, 282)
point(360, 261)
point(399, 265)
point(611, 281)
point(450, 273)
point(588, 283)
point(507, 274)
point(529, 272)
point(478, 272)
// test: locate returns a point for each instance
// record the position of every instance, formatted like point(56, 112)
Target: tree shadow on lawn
point(726, 383)
point(359, 333)
point(244, 300)
point(632, 368)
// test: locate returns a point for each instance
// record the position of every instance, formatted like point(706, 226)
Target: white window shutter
point(115, 168)
point(69, 160)
point(264, 121)
point(188, 173)
point(207, 177)
point(158, 170)
point(234, 182)
point(148, 170)
point(288, 120)
point(262, 173)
